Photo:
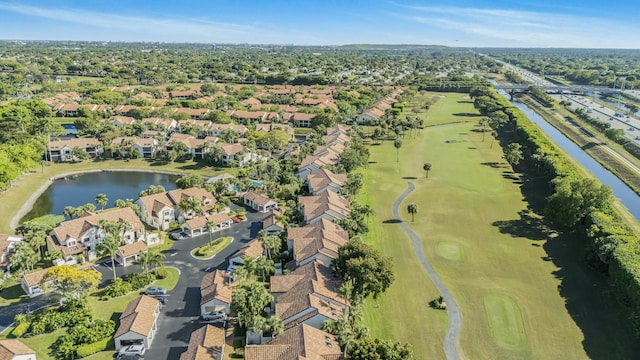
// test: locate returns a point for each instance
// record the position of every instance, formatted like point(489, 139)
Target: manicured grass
point(26, 185)
point(12, 293)
point(210, 249)
point(170, 281)
point(41, 343)
point(482, 237)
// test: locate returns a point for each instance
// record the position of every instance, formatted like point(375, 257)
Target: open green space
point(24, 186)
point(483, 238)
point(209, 249)
point(12, 292)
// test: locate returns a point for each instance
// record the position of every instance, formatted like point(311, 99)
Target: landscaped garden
point(211, 248)
point(522, 290)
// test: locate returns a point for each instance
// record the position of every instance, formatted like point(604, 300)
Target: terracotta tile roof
point(336, 138)
point(132, 249)
point(82, 143)
point(253, 249)
point(335, 149)
point(76, 228)
point(240, 129)
point(192, 112)
point(35, 277)
point(269, 127)
point(253, 115)
point(338, 129)
point(201, 221)
point(201, 194)
point(7, 241)
point(11, 348)
point(215, 285)
point(128, 120)
point(166, 123)
point(205, 344)
point(327, 202)
point(230, 149)
point(138, 317)
point(324, 177)
point(298, 116)
point(134, 140)
point(270, 219)
point(302, 342)
point(322, 236)
point(257, 198)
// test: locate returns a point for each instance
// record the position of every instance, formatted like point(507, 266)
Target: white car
point(214, 316)
point(138, 350)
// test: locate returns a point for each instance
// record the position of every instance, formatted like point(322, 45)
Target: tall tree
point(573, 199)
point(426, 167)
point(397, 144)
point(413, 210)
point(150, 258)
point(378, 349)
point(25, 257)
point(248, 301)
point(102, 200)
point(109, 247)
point(513, 153)
point(370, 272)
point(73, 283)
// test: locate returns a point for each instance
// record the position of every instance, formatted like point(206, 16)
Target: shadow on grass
point(392, 221)
point(606, 332)
point(409, 177)
point(589, 145)
point(465, 102)
point(493, 164)
point(467, 114)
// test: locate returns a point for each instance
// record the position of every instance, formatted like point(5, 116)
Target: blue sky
point(493, 23)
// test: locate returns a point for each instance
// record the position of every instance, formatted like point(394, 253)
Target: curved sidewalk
point(455, 317)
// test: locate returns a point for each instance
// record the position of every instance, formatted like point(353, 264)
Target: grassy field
point(26, 185)
point(523, 290)
point(208, 250)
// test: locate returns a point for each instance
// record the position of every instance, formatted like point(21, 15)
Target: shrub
point(92, 348)
point(117, 288)
point(161, 273)
point(138, 281)
point(21, 329)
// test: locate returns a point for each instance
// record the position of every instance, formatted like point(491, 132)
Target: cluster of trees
point(578, 204)
point(580, 66)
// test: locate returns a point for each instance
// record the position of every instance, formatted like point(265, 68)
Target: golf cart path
point(455, 317)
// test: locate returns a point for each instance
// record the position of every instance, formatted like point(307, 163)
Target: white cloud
point(504, 27)
point(161, 29)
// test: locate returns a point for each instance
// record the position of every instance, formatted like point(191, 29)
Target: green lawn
point(12, 293)
point(208, 250)
point(524, 292)
point(26, 185)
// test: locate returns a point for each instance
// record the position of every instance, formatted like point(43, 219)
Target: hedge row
point(95, 347)
point(612, 246)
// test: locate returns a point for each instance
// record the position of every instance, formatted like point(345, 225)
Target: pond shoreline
point(27, 206)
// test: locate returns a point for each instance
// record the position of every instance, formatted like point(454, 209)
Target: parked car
point(156, 290)
point(214, 316)
point(179, 235)
point(134, 350)
point(235, 219)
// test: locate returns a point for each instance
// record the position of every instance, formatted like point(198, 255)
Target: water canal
point(626, 196)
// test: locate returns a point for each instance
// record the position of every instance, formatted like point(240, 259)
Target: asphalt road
point(455, 316)
point(180, 317)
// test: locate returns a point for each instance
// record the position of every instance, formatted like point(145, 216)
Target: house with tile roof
point(252, 250)
point(206, 343)
point(297, 343)
point(215, 292)
point(16, 350)
point(326, 205)
point(7, 248)
point(270, 222)
point(83, 234)
point(325, 180)
point(199, 224)
point(138, 323)
point(144, 147)
point(312, 163)
point(308, 295)
point(218, 129)
point(159, 210)
point(316, 242)
point(34, 283)
point(62, 150)
point(258, 201)
point(119, 120)
point(129, 253)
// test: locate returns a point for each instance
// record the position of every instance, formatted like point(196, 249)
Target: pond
point(78, 190)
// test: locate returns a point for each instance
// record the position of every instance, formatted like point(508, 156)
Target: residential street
point(181, 315)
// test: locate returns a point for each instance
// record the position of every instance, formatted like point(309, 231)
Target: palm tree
point(398, 145)
point(426, 167)
point(150, 258)
point(263, 267)
point(109, 247)
point(102, 200)
point(413, 210)
point(210, 226)
point(274, 324)
point(272, 245)
point(38, 241)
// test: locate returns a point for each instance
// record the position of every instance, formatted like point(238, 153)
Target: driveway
point(180, 317)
